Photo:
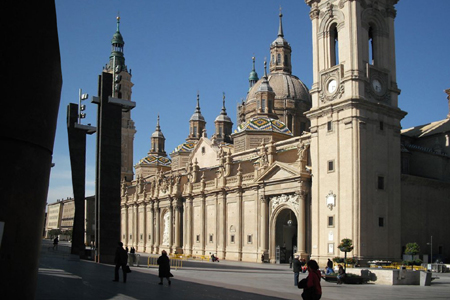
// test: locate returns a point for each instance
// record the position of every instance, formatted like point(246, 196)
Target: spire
point(197, 122)
point(280, 28)
point(265, 86)
point(157, 141)
point(223, 125)
point(280, 52)
point(253, 78)
point(265, 68)
point(117, 44)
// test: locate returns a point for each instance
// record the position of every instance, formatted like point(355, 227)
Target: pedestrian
point(312, 289)
point(55, 243)
point(126, 249)
point(164, 267)
point(120, 259)
point(341, 275)
point(297, 269)
point(330, 264)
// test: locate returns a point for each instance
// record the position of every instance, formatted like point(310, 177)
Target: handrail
point(175, 263)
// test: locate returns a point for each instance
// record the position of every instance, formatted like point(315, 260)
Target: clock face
point(376, 84)
point(332, 85)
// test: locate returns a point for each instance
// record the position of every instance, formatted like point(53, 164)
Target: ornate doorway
point(286, 226)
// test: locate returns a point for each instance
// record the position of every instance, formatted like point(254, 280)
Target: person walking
point(55, 243)
point(330, 264)
point(297, 269)
point(164, 267)
point(312, 290)
point(120, 259)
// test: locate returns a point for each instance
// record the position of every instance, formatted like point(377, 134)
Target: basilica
point(302, 168)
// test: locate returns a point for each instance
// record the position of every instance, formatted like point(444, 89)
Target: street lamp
point(81, 107)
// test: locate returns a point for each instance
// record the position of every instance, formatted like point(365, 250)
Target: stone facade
point(301, 177)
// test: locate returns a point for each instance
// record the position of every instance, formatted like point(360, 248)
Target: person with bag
point(164, 267)
point(120, 259)
point(311, 284)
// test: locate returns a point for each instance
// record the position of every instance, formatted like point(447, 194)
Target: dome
point(263, 123)
point(223, 118)
point(253, 76)
point(155, 160)
point(157, 134)
point(117, 38)
point(284, 86)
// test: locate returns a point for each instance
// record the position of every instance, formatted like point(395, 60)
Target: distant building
point(304, 169)
point(60, 215)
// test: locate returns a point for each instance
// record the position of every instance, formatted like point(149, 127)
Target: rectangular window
point(330, 221)
point(197, 238)
point(142, 237)
point(380, 182)
point(330, 248)
point(249, 239)
point(149, 237)
point(232, 238)
point(330, 165)
point(381, 222)
point(381, 125)
point(211, 238)
point(302, 126)
point(330, 126)
point(131, 237)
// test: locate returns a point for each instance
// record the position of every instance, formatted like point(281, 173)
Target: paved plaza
point(64, 276)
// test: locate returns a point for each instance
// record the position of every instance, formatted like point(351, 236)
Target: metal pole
point(79, 106)
point(431, 250)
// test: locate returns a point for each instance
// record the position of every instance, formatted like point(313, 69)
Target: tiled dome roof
point(185, 147)
point(262, 123)
point(156, 160)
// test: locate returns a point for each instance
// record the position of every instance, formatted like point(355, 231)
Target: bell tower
point(123, 90)
point(355, 129)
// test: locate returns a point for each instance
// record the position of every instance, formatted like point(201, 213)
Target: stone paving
point(64, 276)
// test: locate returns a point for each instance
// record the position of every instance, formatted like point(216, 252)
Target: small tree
point(412, 249)
point(54, 232)
point(345, 246)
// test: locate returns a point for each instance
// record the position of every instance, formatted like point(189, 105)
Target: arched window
point(278, 58)
point(263, 104)
point(334, 46)
point(371, 47)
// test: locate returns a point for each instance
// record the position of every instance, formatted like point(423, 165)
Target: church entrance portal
point(286, 234)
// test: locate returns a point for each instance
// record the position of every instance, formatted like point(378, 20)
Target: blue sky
point(176, 48)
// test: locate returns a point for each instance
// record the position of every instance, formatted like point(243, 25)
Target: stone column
point(189, 225)
point(264, 223)
point(203, 220)
point(157, 229)
point(301, 234)
point(222, 226)
point(176, 243)
point(149, 226)
point(170, 227)
point(240, 229)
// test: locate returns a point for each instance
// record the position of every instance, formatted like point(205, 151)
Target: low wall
point(388, 276)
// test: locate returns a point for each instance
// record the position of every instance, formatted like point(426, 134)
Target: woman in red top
point(313, 290)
